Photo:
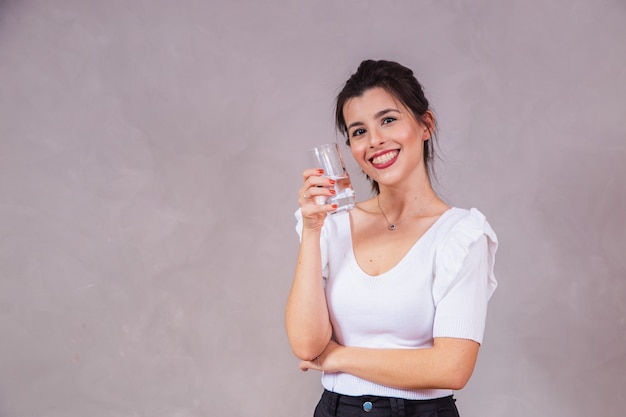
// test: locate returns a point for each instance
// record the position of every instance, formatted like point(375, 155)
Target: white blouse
point(440, 288)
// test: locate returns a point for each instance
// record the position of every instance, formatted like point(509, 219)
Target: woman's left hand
point(326, 361)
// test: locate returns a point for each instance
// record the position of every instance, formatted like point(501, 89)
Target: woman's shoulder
point(465, 224)
point(465, 215)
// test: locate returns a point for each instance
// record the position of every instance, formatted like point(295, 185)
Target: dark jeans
point(336, 405)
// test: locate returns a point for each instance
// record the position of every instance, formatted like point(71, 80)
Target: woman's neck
point(400, 202)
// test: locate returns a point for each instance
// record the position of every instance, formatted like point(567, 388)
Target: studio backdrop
point(150, 158)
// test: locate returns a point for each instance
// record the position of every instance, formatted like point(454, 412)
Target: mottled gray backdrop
point(150, 155)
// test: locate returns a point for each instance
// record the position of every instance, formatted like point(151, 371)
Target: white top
point(440, 288)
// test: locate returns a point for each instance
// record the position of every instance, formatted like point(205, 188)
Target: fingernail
point(332, 191)
point(334, 206)
point(332, 182)
point(321, 171)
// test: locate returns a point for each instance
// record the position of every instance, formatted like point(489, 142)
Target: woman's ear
point(428, 120)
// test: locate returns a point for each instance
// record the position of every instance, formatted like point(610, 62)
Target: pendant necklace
point(392, 226)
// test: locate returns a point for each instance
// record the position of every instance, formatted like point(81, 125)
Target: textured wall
point(150, 154)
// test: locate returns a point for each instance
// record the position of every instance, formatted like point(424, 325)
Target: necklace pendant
point(392, 227)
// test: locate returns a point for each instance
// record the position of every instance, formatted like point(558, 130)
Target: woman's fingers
point(306, 365)
point(312, 198)
point(312, 172)
point(316, 188)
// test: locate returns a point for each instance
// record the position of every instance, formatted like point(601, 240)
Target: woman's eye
point(358, 132)
point(388, 120)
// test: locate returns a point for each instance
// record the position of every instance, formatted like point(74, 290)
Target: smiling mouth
point(385, 158)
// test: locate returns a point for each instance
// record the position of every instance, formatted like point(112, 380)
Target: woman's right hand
point(315, 185)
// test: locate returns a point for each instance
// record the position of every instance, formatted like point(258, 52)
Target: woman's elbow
point(458, 382)
point(457, 378)
point(306, 352)
point(306, 348)
point(459, 358)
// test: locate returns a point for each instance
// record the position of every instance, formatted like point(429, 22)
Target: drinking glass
point(328, 157)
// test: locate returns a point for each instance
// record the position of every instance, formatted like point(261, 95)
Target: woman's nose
point(376, 138)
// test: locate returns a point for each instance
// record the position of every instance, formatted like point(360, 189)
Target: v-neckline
point(402, 259)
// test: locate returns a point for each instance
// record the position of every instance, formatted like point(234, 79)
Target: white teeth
point(384, 158)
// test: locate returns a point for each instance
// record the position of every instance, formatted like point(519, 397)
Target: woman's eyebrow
point(376, 116)
point(383, 112)
point(355, 124)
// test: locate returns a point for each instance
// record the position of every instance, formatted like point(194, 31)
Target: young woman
point(389, 299)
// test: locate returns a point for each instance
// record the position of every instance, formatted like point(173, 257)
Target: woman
point(389, 300)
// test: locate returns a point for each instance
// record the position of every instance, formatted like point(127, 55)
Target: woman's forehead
point(370, 103)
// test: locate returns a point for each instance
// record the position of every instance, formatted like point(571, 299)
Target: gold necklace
point(392, 226)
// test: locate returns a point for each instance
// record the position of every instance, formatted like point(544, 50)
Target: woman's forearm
point(447, 365)
point(306, 317)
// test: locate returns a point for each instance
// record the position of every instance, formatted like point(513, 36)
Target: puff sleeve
point(464, 278)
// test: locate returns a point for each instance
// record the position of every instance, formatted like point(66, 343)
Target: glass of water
point(328, 157)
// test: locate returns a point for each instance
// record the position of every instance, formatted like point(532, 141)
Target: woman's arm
point(306, 317)
point(447, 365)
point(307, 321)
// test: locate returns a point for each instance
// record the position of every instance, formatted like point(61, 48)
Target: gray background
point(150, 155)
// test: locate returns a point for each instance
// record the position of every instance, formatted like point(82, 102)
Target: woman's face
point(385, 138)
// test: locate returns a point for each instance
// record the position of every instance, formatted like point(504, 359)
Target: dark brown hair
point(398, 81)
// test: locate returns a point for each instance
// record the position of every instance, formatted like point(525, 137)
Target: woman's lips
point(383, 160)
